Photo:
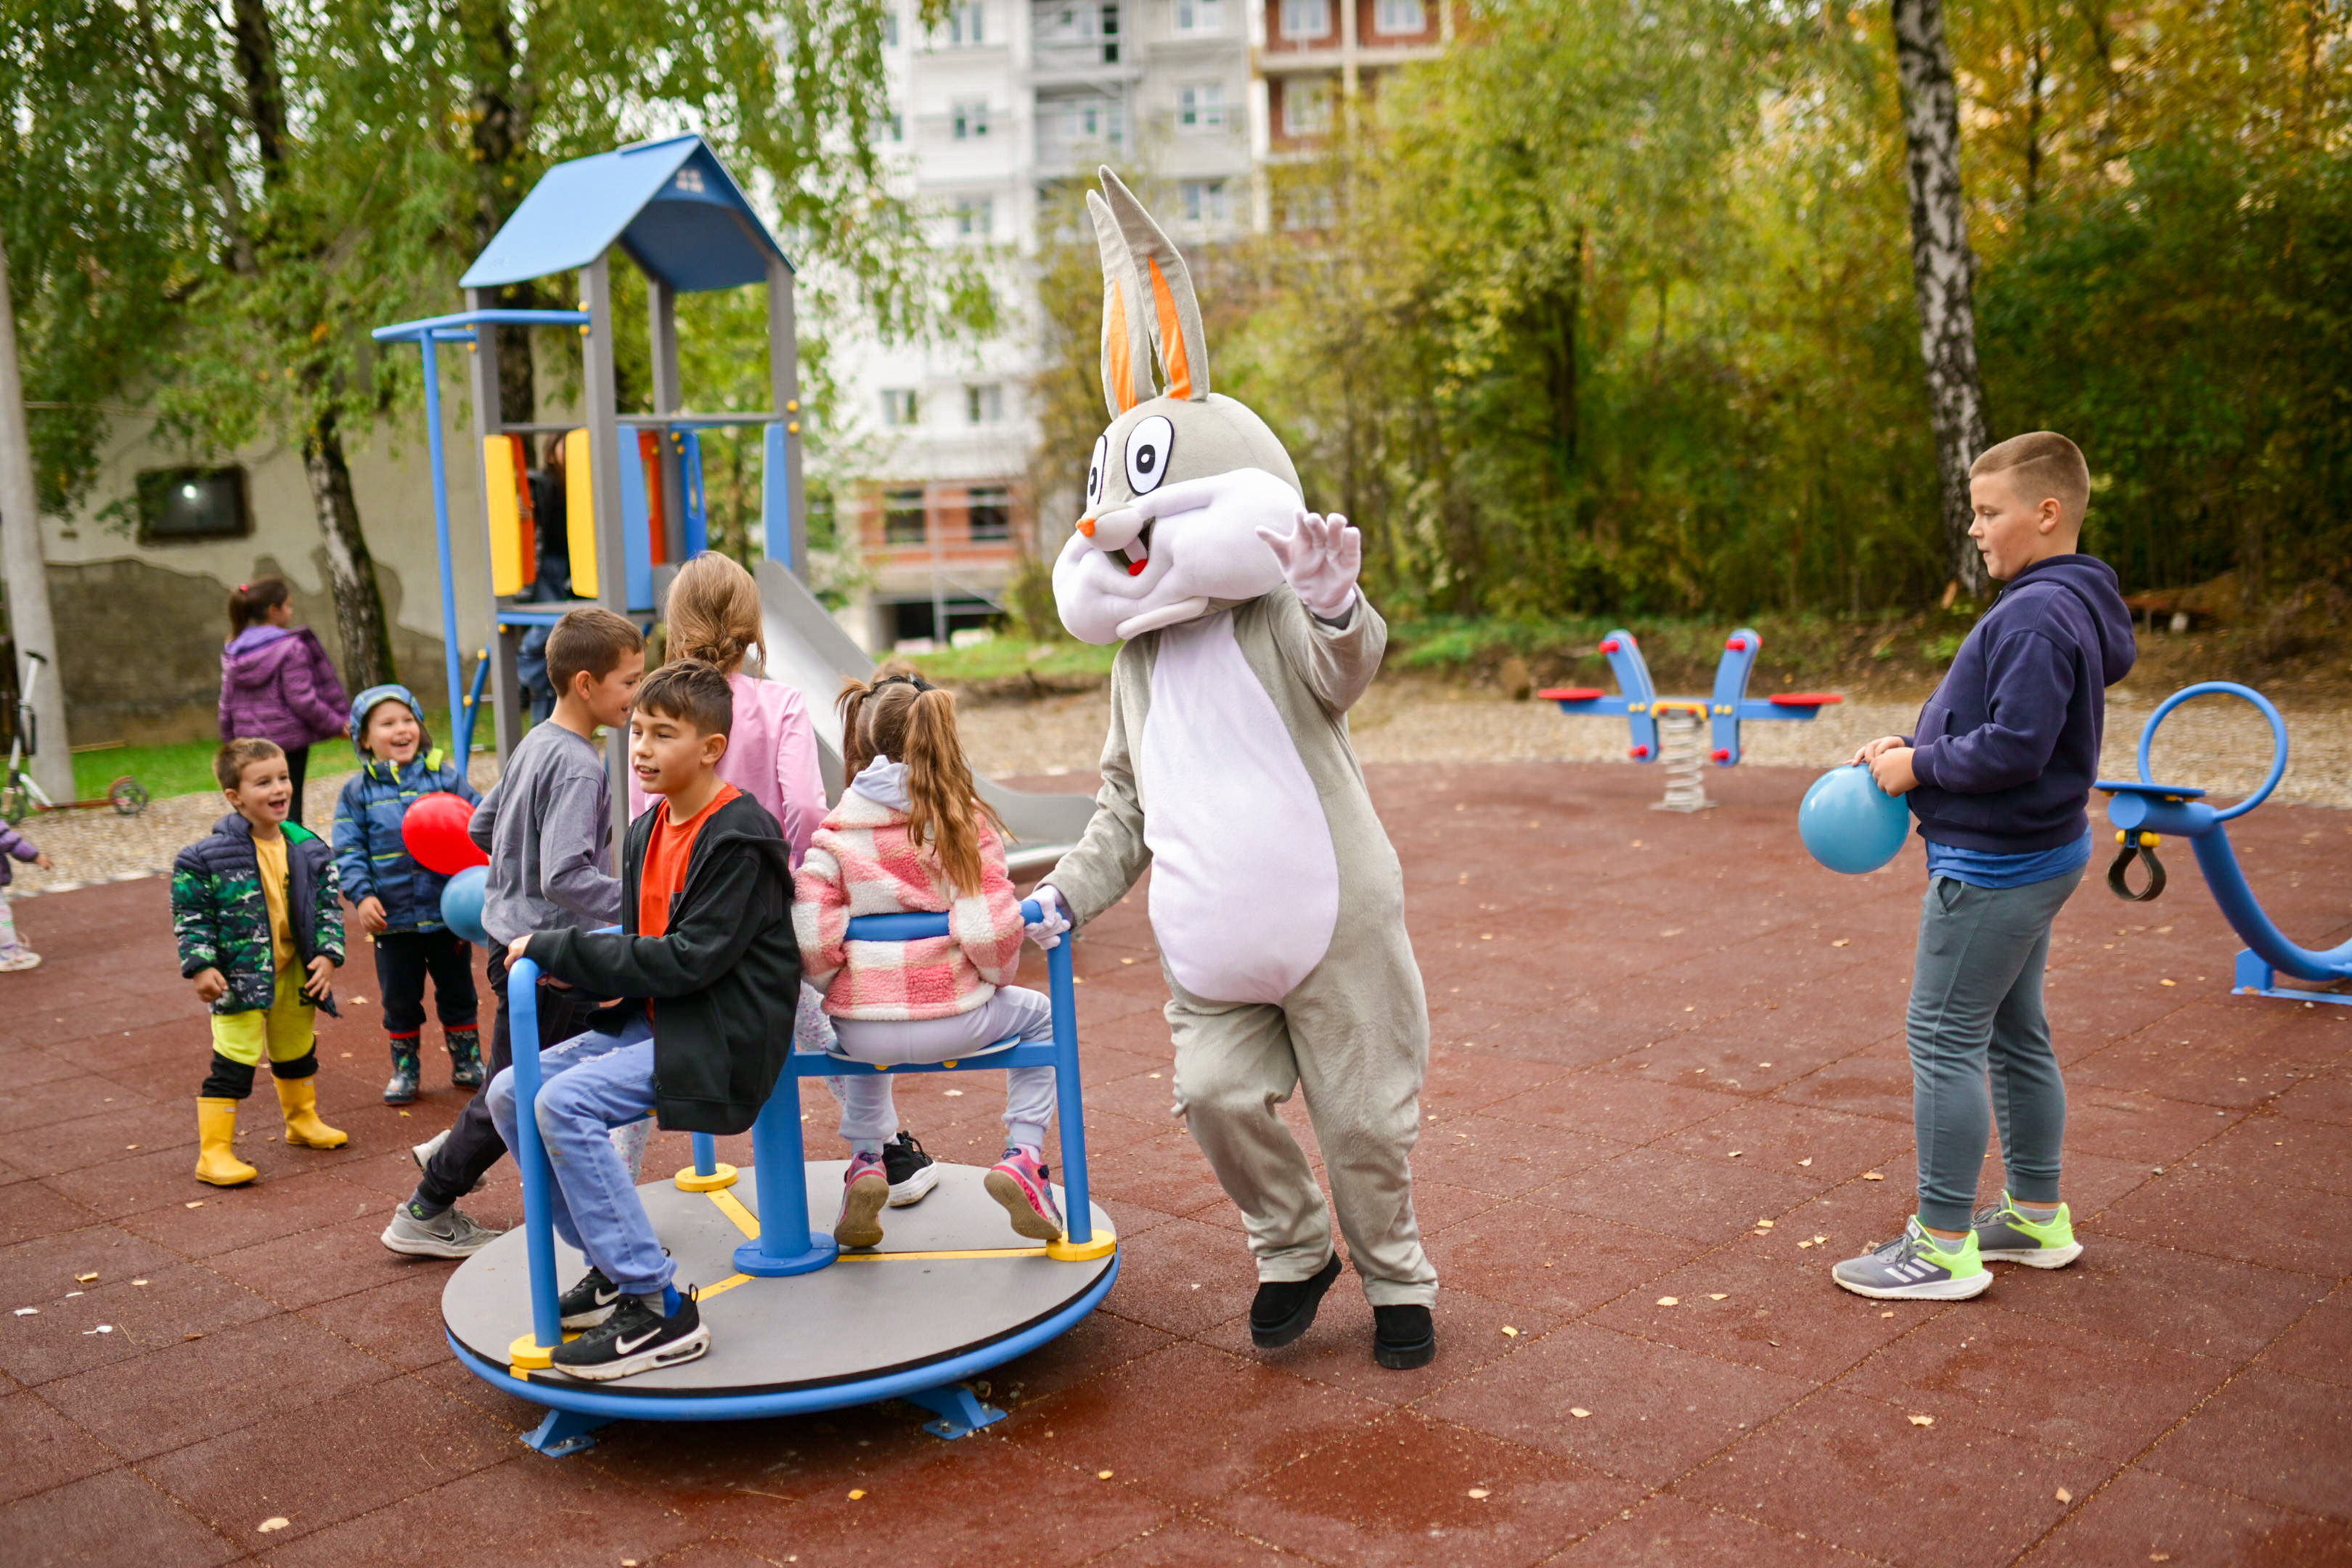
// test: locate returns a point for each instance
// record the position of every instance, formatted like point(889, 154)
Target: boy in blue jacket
point(1998, 774)
point(397, 901)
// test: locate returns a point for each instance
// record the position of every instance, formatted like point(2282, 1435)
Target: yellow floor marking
point(926, 1257)
point(704, 1292)
point(732, 1208)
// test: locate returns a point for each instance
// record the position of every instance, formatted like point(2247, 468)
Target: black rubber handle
point(2119, 883)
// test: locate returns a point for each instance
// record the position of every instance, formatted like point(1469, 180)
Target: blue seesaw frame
point(1724, 710)
point(786, 1244)
point(2142, 812)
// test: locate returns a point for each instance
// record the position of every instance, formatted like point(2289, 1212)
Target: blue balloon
point(1849, 824)
point(461, 904)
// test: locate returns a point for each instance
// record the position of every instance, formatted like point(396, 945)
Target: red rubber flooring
point(1653, 1032)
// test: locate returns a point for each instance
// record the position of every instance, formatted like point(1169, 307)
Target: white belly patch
point(1244, 883)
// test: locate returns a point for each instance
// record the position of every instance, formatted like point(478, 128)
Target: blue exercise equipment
point(2143, 811)
point(1666, 729)
point(461, 904)
point(1850, 825)
point(795, 1327)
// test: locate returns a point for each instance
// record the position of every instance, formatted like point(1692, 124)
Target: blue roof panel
point(671, 204)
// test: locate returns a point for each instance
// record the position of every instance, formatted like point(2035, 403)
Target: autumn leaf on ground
point(1923, 1421)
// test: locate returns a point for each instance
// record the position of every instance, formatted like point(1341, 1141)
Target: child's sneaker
point(423, 1154)
point(1019, 1182)
point(406, 1072)
point(635, 1339)
point(21, 958)
point(912, 1175)
point(2003, 1233)
point(452, 1233)
point(589, 1302)
point(465, 1056)
point(864, 1188)
point(1916, 1266)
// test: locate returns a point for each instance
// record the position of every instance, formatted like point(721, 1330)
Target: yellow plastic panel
point(580, 513)
point(498, 491)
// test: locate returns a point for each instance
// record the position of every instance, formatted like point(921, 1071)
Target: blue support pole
point(531, 1154)
point(449, 655)
point(706, 1153)
point(1061, 985)
point(785, 1244)
point(464, 721)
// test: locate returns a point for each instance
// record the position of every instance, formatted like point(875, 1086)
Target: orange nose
point(1086, 526)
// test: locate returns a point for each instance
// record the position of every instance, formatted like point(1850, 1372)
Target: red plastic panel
point(1570, 693)
point(1805, 698)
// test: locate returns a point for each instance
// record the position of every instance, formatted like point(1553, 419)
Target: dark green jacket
point(222, 921)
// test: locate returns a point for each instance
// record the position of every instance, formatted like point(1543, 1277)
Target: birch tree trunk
point(26, 577)
point(1943, 269)
point(351, 569)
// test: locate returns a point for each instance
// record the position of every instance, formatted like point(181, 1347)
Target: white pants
point(869, 1113)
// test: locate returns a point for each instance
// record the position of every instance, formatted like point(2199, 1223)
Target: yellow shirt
point(269, 855)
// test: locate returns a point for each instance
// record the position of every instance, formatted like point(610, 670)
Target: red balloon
point(434, 832)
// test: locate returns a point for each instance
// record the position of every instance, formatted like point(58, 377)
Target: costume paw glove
point(1046, 931)
point(1320, 559)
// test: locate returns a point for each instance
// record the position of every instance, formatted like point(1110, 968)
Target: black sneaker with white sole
point(635, 1339)
point(589, 1302)
point(911, 1172)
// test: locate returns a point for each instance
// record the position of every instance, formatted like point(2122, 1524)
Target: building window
point(974, 217)
point(192, 503)
point(1399, 17)
point(991, 514)
point(968, 120)
point(1201, 107)
point(1307, 106)
point(889, 26)
point(899, 406)
point(1204, 201)
point(902, 516)
point(967, 25)
point(1306, 18)
point(890, 127)
point(1197, 18)
point(1111, 35)
point(984, 404)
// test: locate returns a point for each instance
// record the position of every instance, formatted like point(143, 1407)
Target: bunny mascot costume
point(1277, 902)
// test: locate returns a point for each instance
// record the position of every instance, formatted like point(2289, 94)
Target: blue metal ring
point(2223, 689)
point(793, 1402)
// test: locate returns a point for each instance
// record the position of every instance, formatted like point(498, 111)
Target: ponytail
point(248, 602)
point(713, 612)
point(901, 715)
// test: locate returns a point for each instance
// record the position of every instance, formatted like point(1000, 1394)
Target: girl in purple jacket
point(276, 682)
point(14, 846)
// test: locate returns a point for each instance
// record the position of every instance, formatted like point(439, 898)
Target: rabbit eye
point(1097, 472)
point(1148, 449)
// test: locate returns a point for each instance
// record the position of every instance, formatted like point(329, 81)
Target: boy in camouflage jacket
point(254, 908)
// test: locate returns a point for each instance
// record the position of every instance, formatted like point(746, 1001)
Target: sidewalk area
point(1654, 1034)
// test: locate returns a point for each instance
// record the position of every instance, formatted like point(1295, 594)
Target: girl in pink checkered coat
point(912, 836)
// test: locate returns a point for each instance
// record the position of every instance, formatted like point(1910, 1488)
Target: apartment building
point(1311, 56)
point(997, 114)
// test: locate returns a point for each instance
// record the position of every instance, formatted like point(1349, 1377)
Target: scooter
point(20, 797)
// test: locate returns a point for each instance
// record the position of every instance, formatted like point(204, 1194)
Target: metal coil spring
point(1682, 751)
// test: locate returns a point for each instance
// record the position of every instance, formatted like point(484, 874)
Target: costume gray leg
point(1233, 1066)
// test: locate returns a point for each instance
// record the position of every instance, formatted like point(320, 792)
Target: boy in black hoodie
point(707, 970)
point(1997, 776)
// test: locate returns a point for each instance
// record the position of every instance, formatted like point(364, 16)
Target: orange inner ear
point(1115, 343)
point(1171, 335)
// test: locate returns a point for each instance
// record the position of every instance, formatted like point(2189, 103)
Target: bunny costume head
point(1183, 478)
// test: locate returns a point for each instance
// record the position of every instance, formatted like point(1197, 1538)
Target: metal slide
point(806, 649)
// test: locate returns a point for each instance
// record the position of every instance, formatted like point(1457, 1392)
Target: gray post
point(25, 576)
point(598, 374)
point(505, 695)
point(784, 379)
point(661, 301)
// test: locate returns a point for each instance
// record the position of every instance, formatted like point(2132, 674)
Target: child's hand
point(1871, 750)
point(211, 985)
point(1892, 769)
point(371, 914)
point(44, 862)
point(517, 951)
point(322, 975)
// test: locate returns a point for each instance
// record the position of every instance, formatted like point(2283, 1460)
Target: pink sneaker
point(1019, 1182)
point(864, 1188)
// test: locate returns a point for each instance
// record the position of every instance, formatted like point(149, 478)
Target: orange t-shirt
point(668, 855)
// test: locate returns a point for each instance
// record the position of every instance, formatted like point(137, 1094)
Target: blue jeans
point(591, 1084)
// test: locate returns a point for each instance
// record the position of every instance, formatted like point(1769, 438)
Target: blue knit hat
point(366, 703)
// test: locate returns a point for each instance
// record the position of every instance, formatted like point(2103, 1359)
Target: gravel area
point(2221, 745)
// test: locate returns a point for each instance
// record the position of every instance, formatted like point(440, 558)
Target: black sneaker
point(912, 1175)
point(1285, 1308)
point(635, 1339)
point(589, 1302)
point(1404, 1337)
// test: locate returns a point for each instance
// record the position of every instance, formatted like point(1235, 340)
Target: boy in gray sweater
point(548, 830)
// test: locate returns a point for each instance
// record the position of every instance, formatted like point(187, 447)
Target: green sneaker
point(1916, 1267)
point(2004, 1233)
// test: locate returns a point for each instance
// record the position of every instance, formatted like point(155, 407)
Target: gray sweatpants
point(1976, 1012)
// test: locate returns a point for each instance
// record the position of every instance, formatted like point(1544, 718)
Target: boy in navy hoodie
point(1999, 775)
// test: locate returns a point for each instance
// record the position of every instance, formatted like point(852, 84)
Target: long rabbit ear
point(1126, 347)
point(1175, 313)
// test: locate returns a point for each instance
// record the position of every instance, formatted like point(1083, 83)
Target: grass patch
point(1006, 658)
point(186, 767)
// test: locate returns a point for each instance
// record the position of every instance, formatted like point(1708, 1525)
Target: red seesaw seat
point(1570, 694)
point(1804, 699)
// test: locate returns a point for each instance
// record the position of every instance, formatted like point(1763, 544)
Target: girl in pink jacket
point(911, 835)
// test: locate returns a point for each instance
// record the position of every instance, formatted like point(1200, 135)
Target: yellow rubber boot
point(217, 1160)
point(300, 1095)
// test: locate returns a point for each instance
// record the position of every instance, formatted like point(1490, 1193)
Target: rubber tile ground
point(1654, 1033)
